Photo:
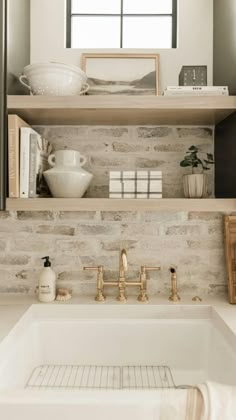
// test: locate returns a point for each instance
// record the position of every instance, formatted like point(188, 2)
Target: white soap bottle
point(47, 283)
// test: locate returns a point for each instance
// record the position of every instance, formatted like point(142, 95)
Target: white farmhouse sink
point(94, 357)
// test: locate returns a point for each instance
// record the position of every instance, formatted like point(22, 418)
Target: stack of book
point(27, 160)
point(196, 91)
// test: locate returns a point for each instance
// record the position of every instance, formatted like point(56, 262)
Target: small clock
point(193, 76)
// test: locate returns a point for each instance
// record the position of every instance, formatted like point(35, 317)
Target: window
point(121, 23)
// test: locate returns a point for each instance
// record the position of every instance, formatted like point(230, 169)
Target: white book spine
point(197, 88)
point(24, 162)
point(191, 93)
point(33, 165)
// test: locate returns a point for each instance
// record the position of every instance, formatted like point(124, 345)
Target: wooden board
point(109, 204)
point(122, 110)
point(230, 250)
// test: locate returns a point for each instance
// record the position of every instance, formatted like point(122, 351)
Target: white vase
point(195, 186)
point(67, 178)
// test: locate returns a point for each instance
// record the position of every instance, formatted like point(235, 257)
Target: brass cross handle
point(143, 297)
point(100, 297)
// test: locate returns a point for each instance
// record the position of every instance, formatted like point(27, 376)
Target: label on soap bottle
point(45, 290)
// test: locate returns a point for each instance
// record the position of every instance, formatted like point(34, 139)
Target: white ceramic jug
point(67, 178)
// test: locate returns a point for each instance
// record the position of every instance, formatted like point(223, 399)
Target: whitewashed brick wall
point(150, 147)
point(192, 241)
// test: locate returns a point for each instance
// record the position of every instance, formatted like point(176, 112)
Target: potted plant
point(196, 184)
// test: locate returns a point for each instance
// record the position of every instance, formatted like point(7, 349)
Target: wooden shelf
point(122, 110)
point(106, 204)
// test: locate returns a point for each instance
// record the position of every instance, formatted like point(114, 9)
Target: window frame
point(69, 16)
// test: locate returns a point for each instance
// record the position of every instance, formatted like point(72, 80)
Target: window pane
point(95, 32)
point(147, 32)
point(148, 6)
point(96, 6)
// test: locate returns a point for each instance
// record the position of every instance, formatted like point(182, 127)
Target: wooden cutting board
point(230, 248)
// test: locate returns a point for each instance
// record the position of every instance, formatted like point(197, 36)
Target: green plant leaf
point(210, 157)
point(185, 163)
point(209, 162)
point(191, 159)
point(193, 149)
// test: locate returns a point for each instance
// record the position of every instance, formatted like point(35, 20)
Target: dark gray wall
point(225, 158)
point(224, 65)
point(18, 44)
point(224, 73)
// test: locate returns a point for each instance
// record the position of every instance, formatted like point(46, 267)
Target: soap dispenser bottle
point(47, 283)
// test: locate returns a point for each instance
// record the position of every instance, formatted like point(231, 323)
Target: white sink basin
point(85, 353)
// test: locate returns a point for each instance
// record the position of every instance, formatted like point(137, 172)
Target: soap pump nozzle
point(47, 262)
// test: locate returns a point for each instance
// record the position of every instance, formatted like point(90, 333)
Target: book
point(24, 160)
point(33, 164)
point(196, 91)
point(14, 125)
point(39, 151)
point(38, 162)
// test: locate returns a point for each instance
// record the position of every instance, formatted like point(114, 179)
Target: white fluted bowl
point(54, 79)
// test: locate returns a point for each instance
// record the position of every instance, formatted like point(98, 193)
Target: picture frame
point(121, 74)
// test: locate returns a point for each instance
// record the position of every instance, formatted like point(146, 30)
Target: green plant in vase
point(196, 184)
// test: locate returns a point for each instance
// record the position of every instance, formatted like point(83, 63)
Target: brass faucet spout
point(122, 280)
point(123, 263)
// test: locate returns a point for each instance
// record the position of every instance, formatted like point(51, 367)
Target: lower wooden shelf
point(108, 204)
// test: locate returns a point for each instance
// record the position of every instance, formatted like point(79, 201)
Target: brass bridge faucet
point(122, 283)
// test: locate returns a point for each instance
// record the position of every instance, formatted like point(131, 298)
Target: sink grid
point(100, 377)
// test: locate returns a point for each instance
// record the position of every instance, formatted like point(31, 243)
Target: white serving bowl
point(54, 79)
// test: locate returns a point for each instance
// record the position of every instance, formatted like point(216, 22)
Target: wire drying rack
point(100, 377)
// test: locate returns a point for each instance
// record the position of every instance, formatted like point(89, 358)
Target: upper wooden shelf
point(122, 110)
point(108, 204)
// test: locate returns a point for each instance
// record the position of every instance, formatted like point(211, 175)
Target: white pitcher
point(67, 178)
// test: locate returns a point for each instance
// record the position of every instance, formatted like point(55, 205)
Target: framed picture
point(122, 74)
